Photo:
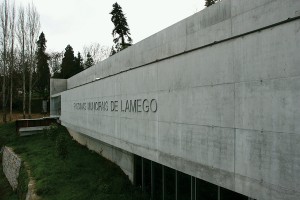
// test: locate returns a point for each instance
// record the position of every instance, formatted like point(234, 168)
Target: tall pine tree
point(89, 61)
point(121, 32)
point(68, 63)
point(78, 63)
point(42, 72)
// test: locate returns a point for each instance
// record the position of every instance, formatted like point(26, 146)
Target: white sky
point(78, 22)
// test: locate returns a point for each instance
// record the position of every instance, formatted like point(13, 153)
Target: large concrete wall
point(227, 112)
point(222, 21)
point(57, 85)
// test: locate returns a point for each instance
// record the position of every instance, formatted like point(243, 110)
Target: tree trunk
point(24, 88)
point(33, 26)
point(123, 42)
point(11, 91)
point(4, 26)
point(3, 94)
point(12, 31)
point(30, 90)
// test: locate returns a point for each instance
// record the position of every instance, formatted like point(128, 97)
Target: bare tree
point(33, 22)
point(12, 55)
point(97, 51)
point(4, 29)
point(55, 62)
point(22, 39)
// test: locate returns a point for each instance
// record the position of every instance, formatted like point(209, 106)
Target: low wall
point(122, 158)
point(11, 166)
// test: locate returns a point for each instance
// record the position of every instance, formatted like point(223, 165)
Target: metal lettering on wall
point(135, 105)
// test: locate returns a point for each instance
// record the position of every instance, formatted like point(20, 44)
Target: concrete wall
point(227, 112)
point(57, 85)
point(219, 22)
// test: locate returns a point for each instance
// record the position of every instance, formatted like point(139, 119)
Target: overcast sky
point(78, 22)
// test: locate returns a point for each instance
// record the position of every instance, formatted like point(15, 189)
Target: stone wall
point(11, 166)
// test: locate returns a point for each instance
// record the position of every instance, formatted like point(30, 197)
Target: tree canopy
point(42, 72)
point(121, 32)
point(68, 62)
point(89, 61)
point(78, 67)
point(210, 2)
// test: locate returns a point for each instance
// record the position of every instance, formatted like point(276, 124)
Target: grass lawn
point(83, 174)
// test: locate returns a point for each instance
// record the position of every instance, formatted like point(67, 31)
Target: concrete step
point(25, 131)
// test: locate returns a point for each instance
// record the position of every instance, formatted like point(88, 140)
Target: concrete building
point(208, 108)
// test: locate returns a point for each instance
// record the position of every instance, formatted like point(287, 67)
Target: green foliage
point(67, 63)
point(78, 64)
point(23, 181)
point(121, 32)
point(83, 175)
point(70, 65)
point(7, 134)
point(51, 132)
point(61, 146)
point(8, 137)
point(89, 61)
point(42, 73)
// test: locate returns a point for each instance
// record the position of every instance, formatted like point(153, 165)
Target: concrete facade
point(224, 86)
point(57, 85)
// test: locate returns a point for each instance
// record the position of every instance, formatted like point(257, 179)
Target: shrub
point(51, 132)
point(61, 146)
point(23, 181)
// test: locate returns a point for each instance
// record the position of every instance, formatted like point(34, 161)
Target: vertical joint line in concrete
point(234, 128)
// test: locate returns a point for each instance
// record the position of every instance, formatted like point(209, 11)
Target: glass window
point(138, 171)
point(228, 195)
point(169, 178)
point(193, 188)
point(206, 190)
point(157, 181)
point(183, 186)
point(147, 176)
